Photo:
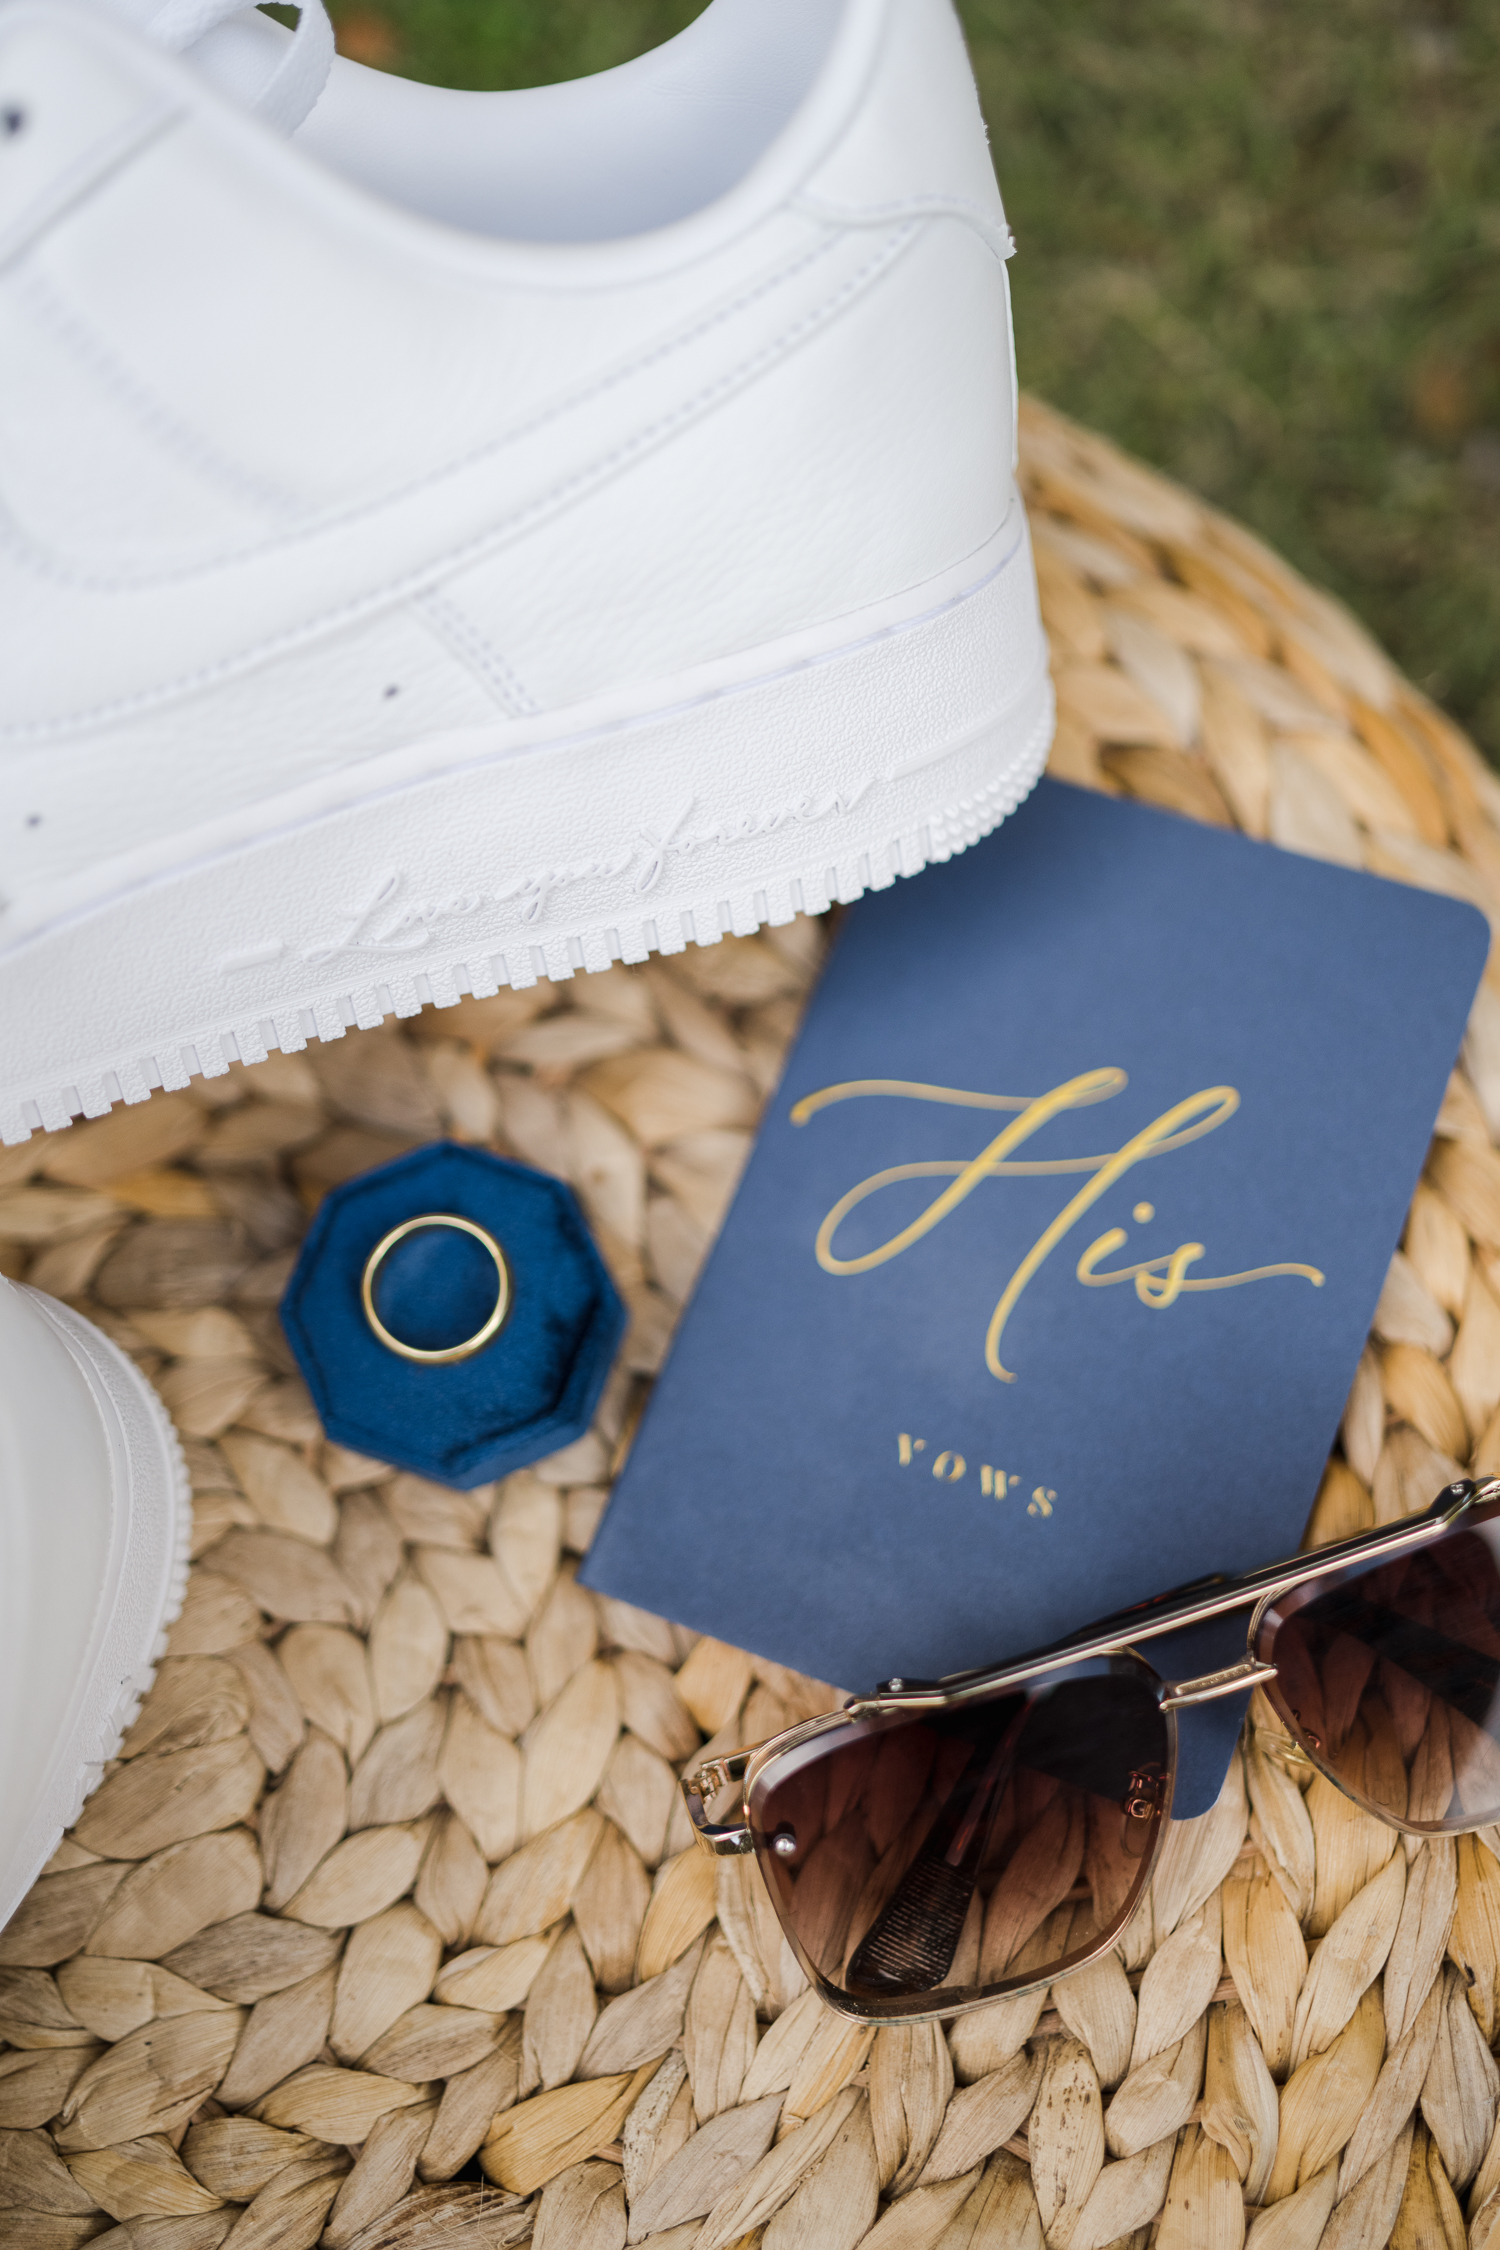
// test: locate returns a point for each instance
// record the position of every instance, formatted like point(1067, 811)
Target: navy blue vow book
point(1047, 1279)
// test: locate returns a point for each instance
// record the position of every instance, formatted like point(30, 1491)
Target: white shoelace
point(297, 80)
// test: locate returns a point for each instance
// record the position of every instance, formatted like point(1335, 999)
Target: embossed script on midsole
point(385, 924)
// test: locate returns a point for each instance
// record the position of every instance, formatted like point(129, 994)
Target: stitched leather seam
point(476, 652)
point(996, 237)
point(79, 179)
point(570, 488)
point(33, 555)
point(177, 438)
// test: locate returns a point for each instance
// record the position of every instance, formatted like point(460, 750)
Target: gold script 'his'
point(1159, 1281)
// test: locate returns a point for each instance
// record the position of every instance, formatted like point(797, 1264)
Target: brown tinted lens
point(1392, 1676)
point(929, 1859)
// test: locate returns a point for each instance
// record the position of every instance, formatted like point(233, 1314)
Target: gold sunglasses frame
point(1117, 1636)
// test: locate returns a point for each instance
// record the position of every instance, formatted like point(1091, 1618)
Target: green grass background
point(1259, 245)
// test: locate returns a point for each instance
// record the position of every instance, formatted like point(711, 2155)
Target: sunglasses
point(943, 1843)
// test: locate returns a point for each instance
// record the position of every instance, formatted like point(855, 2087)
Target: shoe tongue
point(274, 73)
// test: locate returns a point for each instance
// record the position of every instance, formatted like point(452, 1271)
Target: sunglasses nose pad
point(1145, 1794)
point(1289, 1755)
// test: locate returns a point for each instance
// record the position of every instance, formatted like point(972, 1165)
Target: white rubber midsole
point(708, 814)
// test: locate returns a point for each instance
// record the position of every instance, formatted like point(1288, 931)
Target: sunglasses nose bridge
point(1178, 1695)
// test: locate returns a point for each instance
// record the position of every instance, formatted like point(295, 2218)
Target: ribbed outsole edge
point(123, 1713)
point(555, 958)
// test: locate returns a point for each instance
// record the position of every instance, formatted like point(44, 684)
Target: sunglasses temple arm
point(1219, 1592)
point(1141, 1619)
point(1200, 1597)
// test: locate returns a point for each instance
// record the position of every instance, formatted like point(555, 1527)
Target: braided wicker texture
point(384, 1928)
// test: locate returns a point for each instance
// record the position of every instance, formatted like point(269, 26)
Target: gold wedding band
point(470, 1344)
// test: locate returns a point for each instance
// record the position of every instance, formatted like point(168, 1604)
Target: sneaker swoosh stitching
point(35, 555)
point(431, 572)
point(186, 445)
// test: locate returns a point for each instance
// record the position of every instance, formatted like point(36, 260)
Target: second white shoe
point(455, 539)
point(95, 1518)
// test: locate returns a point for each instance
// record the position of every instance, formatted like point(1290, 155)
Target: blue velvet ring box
point(527, 1392)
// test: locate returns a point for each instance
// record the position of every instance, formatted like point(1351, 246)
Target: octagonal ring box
point(528, 1391)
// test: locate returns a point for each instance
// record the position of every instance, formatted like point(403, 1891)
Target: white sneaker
point(484, 536)
point(94, 1525)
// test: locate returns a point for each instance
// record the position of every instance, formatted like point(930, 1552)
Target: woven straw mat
point(385, 1929)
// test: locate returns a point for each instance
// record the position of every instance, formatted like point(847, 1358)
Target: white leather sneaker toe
point(448, 540)
point(95, 1518)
